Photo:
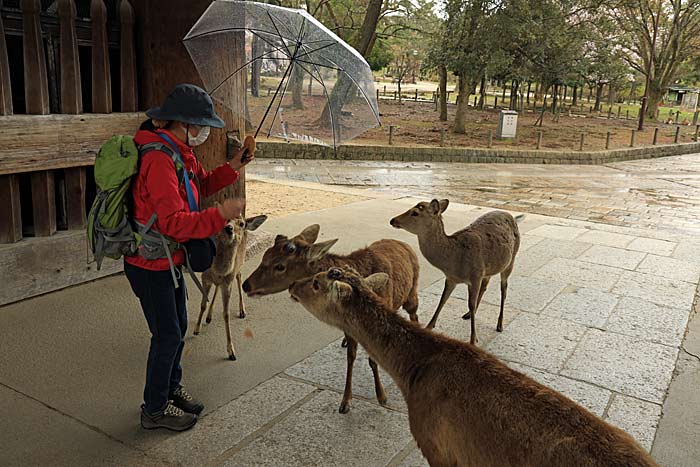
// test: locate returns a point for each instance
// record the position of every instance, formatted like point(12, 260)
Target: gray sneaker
point(171, 418)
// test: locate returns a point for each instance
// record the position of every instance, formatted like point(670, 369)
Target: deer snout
point(395, 223)
point(229, 229)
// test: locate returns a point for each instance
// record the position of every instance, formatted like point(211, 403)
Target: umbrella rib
point(316, 50)
point(376, 116)
point(279, 33)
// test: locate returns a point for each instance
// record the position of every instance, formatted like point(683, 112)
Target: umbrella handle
point(248, 149)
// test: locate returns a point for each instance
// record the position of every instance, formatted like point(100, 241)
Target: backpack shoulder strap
point(162, 147)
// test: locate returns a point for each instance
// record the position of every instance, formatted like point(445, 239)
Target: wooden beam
point(36, 87)
point(71, 95)
point(43, 203)
point(129, 102)
point(64, 140)
point(75, 198)
point(39, 265)
point(10, 209)
point(101, 78)
point(5, 88)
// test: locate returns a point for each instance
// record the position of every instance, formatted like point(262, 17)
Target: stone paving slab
point(598, 237)
point(655, 289)
point(671, 268)
point(315, 434)
point(638, 418)
point(579, 273)
point(230, 424)
point(537, 341)
point(644, 320)
point(611, 256)
point(589, 307)
point(624, 364)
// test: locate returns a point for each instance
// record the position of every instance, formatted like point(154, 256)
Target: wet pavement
point(652, 194)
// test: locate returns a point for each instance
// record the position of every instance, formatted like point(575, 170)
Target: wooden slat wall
point(129, 101)
point(75, 197)
point(43, 142)
point(101, 79)
point(5, 88)
point(71, 95)
point(10, 210)
point(43, 203)
point(36, 87)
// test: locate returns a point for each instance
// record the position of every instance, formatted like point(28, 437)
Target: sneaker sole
point(156, 426)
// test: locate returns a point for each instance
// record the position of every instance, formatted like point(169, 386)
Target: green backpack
point(110, 231)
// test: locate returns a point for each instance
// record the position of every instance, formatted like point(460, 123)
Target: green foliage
point(381, 55)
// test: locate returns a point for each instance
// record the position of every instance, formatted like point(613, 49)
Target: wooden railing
point(46, 153)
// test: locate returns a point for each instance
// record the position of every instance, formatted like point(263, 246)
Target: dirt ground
point(418, 125)
point(276, 200)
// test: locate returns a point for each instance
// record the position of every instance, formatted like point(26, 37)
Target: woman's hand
point(231, 208)
point(244, 155)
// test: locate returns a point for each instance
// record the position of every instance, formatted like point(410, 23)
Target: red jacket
point(156, 189)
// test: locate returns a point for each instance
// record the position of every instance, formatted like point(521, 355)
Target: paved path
point(654, 194)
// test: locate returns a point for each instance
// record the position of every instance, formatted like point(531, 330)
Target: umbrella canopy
point(302, 81)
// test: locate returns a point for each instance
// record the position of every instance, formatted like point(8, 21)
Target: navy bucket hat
point(188, 103)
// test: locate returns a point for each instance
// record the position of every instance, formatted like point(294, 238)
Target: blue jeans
point(164, 307)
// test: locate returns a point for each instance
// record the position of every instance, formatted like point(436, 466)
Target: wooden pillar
point(36, 87)
point(101, 79)
point(75, 198)
point(71, 96)
point(43, 203)
point(167, 63)
point(5, 88)
point(128, 58)
point(10, 211)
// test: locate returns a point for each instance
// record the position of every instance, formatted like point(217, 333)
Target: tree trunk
point(399, 86)
point(529, 85)
point(443, 93)
point(482, 92)
point(656, 93)
point(462, 105)
point(513, 95)
point(574, 100)
point(255, 69)
point(598, 96)
point(297, 85)
point(555, 96)
point(611, 95)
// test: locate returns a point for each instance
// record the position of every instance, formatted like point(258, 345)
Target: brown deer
point(231, 244)
point(472, 255)
point(289, 260)
point(465, 407)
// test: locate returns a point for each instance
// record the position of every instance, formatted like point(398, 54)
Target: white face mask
point(200, 138)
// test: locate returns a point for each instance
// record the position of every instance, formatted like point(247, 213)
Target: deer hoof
point(467, 315)
point(382, 400)
point(208, 320)
point(344, 408)
point(196, 332)
point(232, 357)
point(499, 328)
point(344, 343)
point(241, 314)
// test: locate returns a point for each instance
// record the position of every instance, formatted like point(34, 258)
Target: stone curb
point(275, 150)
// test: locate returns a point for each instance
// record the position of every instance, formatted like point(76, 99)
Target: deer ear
point(319, 250)
point(377, 281)
point(309, 234)
point(253, 223)
point(443, 204)
point(280, 239)
point(340, 290)
point(434, 207)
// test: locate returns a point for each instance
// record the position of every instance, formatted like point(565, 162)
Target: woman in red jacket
point(182, 122)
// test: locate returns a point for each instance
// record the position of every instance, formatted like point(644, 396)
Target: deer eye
point(290, 248)
point(414, 213)
point(279, 267)
point(316, 285)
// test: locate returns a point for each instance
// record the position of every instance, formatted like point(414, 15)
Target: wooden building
point(72, 74)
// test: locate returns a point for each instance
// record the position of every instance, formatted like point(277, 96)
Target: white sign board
point(507, 124)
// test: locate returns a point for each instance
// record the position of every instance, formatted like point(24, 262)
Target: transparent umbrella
point(301, 81)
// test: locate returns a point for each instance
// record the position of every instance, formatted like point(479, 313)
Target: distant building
point(683, 96)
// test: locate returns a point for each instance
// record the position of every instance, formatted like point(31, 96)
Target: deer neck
point(225, 258)
point(436, 245)
point(394, 343)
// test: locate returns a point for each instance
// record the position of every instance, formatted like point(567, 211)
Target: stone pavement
point(653, 194)
point(602, 313)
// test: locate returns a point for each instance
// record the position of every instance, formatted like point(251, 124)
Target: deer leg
point(206, 285)
point(446, 292)
point(378, 388)
point(474, 290)
point(504, 292)
point(411, 305)
point(211, 305)
point(482, 290)
point(344, 343)
point(241, 305)
point(226, 296)
point(347, 395)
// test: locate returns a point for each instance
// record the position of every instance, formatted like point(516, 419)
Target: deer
point(470, 256)
point(291, 259)
point(231, 244)
point(465, 407)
